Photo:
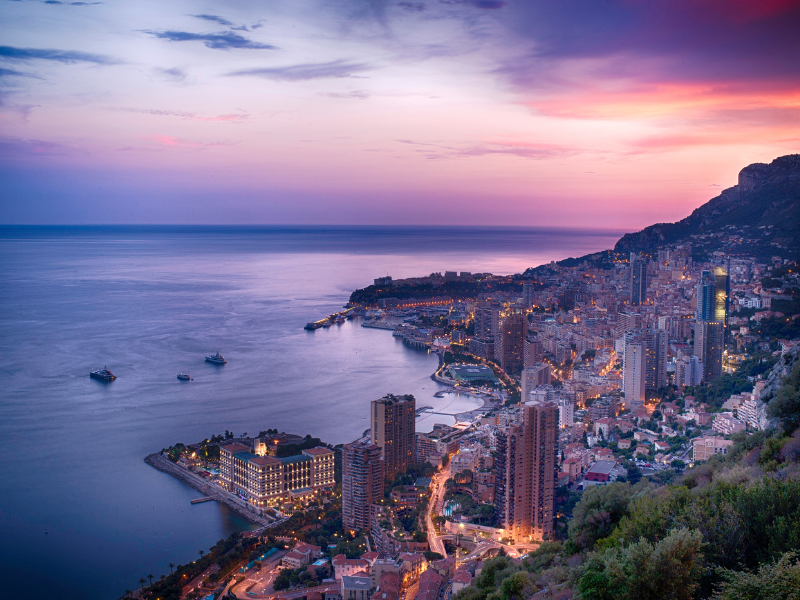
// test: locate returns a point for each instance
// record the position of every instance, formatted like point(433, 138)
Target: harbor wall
point(239, 506)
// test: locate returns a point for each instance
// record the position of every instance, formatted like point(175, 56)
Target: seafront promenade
point(207, 489)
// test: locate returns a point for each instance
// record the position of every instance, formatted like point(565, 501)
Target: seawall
point(207, 489)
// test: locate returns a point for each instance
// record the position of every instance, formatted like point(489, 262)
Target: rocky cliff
point(764, 208)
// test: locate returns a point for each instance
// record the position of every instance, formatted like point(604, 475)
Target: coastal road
point(437, 500)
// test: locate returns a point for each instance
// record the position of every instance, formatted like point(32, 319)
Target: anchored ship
point(217, 359)
point(103, 374)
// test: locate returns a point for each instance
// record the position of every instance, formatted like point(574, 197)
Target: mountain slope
point(764, 208)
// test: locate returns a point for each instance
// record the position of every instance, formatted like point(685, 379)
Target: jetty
point(380, 325)
point(338, 317)
point(204, 499)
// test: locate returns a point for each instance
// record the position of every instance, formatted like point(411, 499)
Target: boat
point(312, 326)
point(327, 324)
point(217, 359)
point(103, 374)
point(183, 377)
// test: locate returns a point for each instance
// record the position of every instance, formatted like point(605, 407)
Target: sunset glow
point(612, 114)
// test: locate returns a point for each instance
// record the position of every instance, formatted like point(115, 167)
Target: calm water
point(149, 303)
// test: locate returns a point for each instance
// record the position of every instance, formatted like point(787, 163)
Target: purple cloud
point(334, 69)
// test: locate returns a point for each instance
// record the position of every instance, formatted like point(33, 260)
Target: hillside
point(764, 209)
point(728, 529)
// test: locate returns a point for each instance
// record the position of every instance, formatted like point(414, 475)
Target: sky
point(571, 113)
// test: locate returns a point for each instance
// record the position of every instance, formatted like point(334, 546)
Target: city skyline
point(475, 112)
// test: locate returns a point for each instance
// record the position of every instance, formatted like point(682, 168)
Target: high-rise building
point(362, 483)
point(566, 412)
point(688, 371)
point(393, 430)
point(656, 359)
point(638, 279)
point(628, 321)
point(528, 290)
point(712, 296)
point(533, 350)
point(526, 473)
point(633, 373)
point(487, 320)
point(709, 343)
point(532, 377)
point(509, 342)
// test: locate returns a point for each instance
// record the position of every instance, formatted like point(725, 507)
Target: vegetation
point(727, 529)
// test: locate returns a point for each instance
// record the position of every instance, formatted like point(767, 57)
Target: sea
point(81, 514)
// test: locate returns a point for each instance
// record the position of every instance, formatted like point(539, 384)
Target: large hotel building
point(267, 480)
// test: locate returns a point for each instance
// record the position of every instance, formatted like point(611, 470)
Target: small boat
point(103, 374)
point(217, 359)
point(327, 324)
point(183, 377)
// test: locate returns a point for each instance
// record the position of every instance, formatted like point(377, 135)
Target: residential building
point(487, 321)
point(705, 447)
point(656, 341)
point(688, 371)
point(532, 377)
point(726, 425)
point(526, 472)
point(509, 341)
point(633, 374)
point(362, 483)
point(638, 289)
point(709, 344)
point(566, 412)
point(533, 350)
point(269, 481)
point(393, 430)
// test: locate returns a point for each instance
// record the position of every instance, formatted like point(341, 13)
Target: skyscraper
point(633, 373)
point(527, 473)
point(712, 319)
point(393, 430)
point(712, 296)
point(509, 343)
point(362, 483)
point(709, 343)
point(638, 279)
point(656, 359)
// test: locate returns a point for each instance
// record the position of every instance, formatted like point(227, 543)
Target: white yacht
point(217, 359)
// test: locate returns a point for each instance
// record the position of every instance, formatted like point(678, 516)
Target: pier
point(203, 499)
point(328, 321)
point(387, 326)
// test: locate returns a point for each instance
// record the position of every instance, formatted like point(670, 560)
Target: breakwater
point(209, 490)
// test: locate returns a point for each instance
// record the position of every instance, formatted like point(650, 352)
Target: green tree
point(667, 570)
point(780, 579)
point(598, 512)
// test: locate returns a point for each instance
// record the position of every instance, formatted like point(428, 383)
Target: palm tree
point(171, 566)
point(163, 577)
point(201, 553)
point(142, 581)
point(128, 593)
point(151, 579)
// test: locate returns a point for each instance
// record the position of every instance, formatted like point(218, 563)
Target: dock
point(387, 326)
point(203, 499)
